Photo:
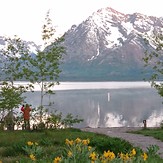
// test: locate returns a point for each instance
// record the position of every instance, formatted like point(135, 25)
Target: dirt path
point(135, 139)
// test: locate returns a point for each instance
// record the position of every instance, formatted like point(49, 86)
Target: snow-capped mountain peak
point(108, 38)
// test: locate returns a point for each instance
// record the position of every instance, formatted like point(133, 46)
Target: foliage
point(69, 120)
point(152, 150)
point(33, 150)
point(52, 143)
point(10, 99)
point(43, 68)
point(154, 60)
point(78, 150)
point(53, 120)
point(11, 64)
point(56, 120)
point(102, 145)
point(35, 117)
point(11, 96)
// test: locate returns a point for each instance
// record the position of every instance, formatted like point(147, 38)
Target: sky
point(26, 17)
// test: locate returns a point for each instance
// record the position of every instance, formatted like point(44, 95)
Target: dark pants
point(26, 124)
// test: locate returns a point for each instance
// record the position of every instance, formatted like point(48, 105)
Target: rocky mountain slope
point(109, 45)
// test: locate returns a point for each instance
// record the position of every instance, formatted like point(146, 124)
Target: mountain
point(109, 45)
point(32, 46)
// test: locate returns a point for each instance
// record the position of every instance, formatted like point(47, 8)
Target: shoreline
point(93, 85)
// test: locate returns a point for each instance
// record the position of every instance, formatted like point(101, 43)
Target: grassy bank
point(154, 132)
point(51, 144)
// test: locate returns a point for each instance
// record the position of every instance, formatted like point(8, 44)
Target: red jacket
point(26, 110)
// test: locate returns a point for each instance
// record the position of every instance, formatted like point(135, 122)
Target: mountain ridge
point(108, 45)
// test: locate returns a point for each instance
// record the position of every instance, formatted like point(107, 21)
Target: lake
point(106, 104)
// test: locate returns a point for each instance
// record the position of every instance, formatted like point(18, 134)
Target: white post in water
point(108, 96)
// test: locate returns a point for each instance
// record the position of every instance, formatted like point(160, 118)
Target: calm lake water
point(106, 104)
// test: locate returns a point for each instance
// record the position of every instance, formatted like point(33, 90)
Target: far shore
point(93, 85)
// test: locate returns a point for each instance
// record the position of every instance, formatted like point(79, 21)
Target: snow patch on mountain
point(116, 28)
point(113, 37)
point(94, 57)
point(128, 27)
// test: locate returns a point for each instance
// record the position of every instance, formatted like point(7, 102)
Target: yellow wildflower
point(86, 142)
point(29, 143)
point(0, 161)
point(36, 143)
point(106, 154)
point(78, 140)
point(109, 155)
point(93, 156)
point(32, 157)
point(145, 156)
point(124, 157)
point(121, 155)
point(69, 153)
point(89, 148)
point(69, 142)
point(104, 161)
point(57, 159)
point(133, 152)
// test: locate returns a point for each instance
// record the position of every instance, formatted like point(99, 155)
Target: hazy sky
point(25, 17)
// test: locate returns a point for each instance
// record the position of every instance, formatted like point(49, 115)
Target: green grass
point(154, 132)
point(53, 143)
point(11, 143)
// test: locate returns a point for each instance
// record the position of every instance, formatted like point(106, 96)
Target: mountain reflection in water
point(107, 107)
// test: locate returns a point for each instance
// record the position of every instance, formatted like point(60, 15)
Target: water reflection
point(108, 107)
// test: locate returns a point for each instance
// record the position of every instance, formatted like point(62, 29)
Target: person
point(9, 120)
point(26, 115)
